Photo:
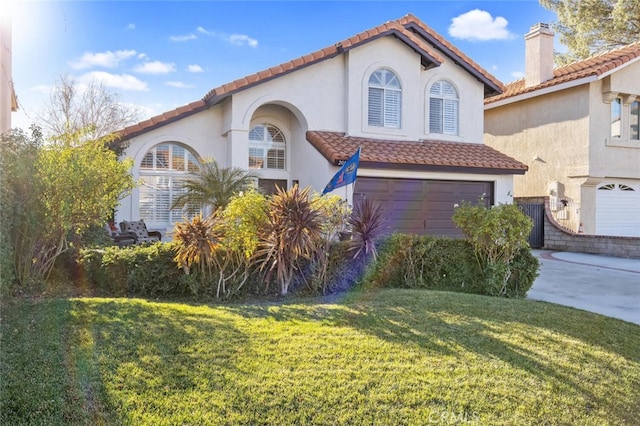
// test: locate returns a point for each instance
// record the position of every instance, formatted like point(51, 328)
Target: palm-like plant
point(213, 186)
point(367, 223)
point(293, 232)
point(198, 242)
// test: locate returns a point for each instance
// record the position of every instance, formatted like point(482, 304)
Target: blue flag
point(346, 174)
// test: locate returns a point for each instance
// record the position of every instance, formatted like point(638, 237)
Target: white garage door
point(618, 209)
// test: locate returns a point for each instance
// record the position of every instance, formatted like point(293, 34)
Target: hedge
point(404, 261)
point(436, 263)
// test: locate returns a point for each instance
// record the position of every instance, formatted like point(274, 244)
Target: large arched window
point(385, 99)
point(162, 172)
point(267, 148)
point(443, 108)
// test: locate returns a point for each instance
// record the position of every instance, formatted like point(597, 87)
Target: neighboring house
point(409, 98)
point(576, 127)
point(8, 101)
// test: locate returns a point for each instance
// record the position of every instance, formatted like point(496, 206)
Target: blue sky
point(161, 55)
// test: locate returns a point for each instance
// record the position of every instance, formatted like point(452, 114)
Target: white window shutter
point(375, 106)
point(435, 115)
point(450, 117)
point(392, 108)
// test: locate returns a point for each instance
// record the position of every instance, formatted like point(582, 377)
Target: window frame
point(267, 144)
point(634, 120)
point(446, 102)
point(162, 183)
point(386, 84)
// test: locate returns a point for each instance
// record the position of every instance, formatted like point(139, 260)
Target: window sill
point(384, 130)
point(623, 143)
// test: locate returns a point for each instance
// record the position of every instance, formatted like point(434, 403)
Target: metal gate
point(536, 213)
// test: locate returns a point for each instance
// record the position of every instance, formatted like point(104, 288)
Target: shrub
point(497, 234)
point(415, 261)
point(143, 270)
point(292, 234)
point(367, 224)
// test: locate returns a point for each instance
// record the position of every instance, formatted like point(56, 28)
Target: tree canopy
point(73, 106)
point(591, 27)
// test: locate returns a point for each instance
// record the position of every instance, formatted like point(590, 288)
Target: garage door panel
point(618, 209)
point(421, 206)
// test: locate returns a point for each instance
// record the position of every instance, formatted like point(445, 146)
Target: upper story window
point(443, 108)
point(267, 148)
point(163, 171)
point(616, 118)
point(385, 99)
point(634, 122)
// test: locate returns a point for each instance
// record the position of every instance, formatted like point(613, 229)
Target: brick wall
point(556, 237)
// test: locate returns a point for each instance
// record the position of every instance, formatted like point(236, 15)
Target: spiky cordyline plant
point(199, 241)
point(292, 233)
point(367, 223)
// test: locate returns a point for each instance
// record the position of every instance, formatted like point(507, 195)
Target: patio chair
point(121, 239)
point(139, 229)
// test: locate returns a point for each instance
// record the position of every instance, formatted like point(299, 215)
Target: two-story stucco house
point(400, 91)
point(576, 127)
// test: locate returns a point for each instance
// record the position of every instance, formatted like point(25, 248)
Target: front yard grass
point(386, 357)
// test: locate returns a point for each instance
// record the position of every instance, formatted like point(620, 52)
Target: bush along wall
point(417, 261)
point(403, 261)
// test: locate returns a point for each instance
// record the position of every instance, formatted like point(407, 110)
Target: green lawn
point(387, 357)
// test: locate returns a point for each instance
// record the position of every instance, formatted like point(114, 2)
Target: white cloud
point(242, 39)
point(179, 84)
point(41, 88)
point(155, 67)
point(117, 81)
point(185, 37)
point(202, 30)
point(143, 56)
point(195, 68)
point(479, 25)
point(517, 74)
point(131, 27)
point(106, 59)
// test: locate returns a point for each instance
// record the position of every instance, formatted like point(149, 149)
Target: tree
point(73, 106)
point(213, 186)
point(52, 191)
point(590, 27)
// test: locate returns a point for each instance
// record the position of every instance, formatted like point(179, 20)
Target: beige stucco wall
point(565, 139)
point(550, 134)
point(5, 73)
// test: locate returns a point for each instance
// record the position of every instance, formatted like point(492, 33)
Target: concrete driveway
point(606, 285)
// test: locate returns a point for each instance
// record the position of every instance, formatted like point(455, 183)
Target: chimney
point(539, 55)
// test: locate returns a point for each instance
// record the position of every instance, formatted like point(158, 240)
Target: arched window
point(385, 99)
point(267, 148)
point(443, 108)
point(162, 172)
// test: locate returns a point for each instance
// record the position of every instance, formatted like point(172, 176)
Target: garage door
point(618, 209)
point(421, 206)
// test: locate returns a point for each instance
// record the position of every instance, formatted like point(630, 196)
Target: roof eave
point(442, 168)
point(491, 89)
point(540, 92)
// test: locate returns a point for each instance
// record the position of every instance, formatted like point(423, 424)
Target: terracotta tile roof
point(162, 119)
point(336, 147)
point(594, 66)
